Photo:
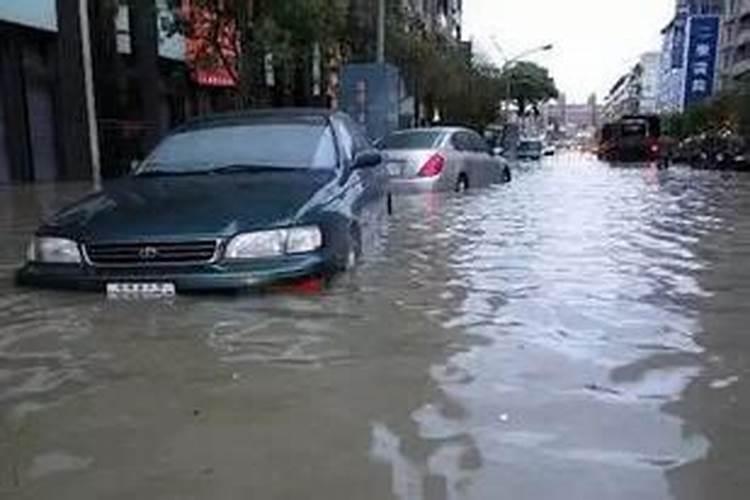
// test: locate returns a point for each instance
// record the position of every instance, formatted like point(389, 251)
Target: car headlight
point(274, 243)
point(51, 250)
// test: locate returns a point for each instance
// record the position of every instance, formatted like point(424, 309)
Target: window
point(460, 142)
point(287, 145)
point(346, 141)
point(476, 143)
point(421, 139)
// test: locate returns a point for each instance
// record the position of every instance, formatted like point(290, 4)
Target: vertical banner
point(703, 41)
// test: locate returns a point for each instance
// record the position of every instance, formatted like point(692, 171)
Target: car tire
point(462, 184)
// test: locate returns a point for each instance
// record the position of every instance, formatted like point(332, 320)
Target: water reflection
point(577, 333)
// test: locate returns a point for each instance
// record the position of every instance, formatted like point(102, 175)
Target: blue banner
point(703, 43)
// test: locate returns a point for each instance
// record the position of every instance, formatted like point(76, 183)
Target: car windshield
point(530, 146)
point(634, 129)
point(261, 146)
point(423, 139)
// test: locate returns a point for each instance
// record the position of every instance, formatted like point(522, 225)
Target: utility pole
point(88, 77)
point(79, 136)
point(381, 32)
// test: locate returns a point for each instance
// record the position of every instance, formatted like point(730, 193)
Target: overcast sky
point(596, 41)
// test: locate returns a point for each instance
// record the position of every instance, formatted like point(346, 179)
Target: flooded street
point(580, 333)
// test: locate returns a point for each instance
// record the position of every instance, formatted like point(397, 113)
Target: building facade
point(735, 42)
point(635, 92)
point(688, 65)
point(44, 135)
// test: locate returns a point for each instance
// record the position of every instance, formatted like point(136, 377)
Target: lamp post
point(510, 62)
point(380, 57)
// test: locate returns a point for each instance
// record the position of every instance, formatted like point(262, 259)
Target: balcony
point(741, 68)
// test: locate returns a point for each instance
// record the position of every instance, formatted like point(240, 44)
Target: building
point(444, 16)
point(45, 120)
point(688, 61)
point(735, 42)
point(565, 119)
point(28, 128)
point(635, 92)
point(621, 98)
point(647, 81)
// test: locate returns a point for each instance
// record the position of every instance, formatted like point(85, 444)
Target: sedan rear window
point(530, 146)
point(411, 140)
point(291, 146)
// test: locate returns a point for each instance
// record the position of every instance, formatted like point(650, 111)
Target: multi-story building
point(735, 42)
point(43, 122)
point(636, 91)
point(565, 119)
point(687, 68)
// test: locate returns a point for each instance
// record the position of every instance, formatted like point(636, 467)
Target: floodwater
point(582, 333)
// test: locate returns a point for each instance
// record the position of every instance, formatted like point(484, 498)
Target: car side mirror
point(367, 159)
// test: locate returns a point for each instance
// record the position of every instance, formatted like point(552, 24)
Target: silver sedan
point(441, 159)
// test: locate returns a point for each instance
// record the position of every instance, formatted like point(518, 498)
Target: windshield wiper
point(167, 173)
point(246, 168)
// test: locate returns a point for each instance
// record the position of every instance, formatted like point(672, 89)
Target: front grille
point(151, 254)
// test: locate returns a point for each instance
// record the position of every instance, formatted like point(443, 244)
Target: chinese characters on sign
point(703, 39)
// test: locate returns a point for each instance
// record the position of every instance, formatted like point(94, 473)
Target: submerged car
point(224, 202)
point(530, 149)
point(441, 159)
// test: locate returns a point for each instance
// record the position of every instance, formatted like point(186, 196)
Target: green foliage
point(439, 70)
point(530, 85)
point(728, 111)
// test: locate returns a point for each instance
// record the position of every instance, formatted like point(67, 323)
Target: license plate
point(148, 290)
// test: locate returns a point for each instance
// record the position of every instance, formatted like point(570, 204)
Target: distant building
point(735, 42)
point(688, 61)
point(567, 120)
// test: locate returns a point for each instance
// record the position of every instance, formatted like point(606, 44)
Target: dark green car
point(226, 202)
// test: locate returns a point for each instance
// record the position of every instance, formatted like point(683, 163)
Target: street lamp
point(509, 62)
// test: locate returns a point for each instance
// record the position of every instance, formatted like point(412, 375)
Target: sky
point(596, 41)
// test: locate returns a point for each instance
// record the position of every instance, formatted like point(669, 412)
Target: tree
point(530, 86)
point(243, 37)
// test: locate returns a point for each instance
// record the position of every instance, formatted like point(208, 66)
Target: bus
point(632, 138)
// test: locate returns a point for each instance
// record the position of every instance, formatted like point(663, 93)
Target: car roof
point(311, 116)
point(440, 130)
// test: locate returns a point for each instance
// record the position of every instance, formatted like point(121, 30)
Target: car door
point(459, 157)
point(364, 189)
point(486, 166)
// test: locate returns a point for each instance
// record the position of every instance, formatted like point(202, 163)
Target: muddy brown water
point(582, 333)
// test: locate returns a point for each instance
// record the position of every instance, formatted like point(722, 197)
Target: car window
point(287, 145)
point(476, 143)
point(361, 142)
point(418, 139)
point(531, 146)
point(460, 142)
point(346, 140)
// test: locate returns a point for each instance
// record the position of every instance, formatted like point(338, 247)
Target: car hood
point(139, 208)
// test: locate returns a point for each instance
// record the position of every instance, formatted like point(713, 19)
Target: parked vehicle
point(225, 202)
point(441, 159)
point(531, 149)
point(635, 138)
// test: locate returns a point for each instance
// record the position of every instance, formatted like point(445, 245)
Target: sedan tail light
point(433, 167)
